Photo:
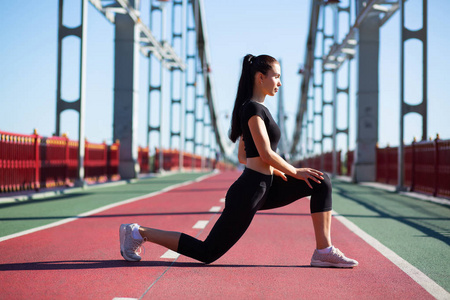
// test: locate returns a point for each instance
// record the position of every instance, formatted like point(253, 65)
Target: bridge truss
point(361, 43)
point(191, 84)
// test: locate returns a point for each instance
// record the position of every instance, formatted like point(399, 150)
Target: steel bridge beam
point(224, 144)
point(307, 68)
point(147, 41)
point(281, 120)
point(405, 108)
point(79, 104)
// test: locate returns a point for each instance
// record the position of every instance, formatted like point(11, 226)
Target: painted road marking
point(165, 271)
point(222, 200)
point(215, 209)
point(97, 210)
point(124, 298)
point(423, 280)
point(200, 224)
point(170, 254)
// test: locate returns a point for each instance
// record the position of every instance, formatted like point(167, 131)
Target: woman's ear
point(259, 77)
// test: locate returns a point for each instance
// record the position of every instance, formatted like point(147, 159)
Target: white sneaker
point(129, 246)
point(335, 258)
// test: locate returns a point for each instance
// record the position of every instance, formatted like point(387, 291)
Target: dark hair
point(250, 66)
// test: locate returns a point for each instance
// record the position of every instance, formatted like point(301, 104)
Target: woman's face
point(271, 82)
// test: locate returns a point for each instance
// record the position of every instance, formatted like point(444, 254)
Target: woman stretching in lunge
point(257, 188)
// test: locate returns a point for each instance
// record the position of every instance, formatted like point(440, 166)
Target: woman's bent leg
point(285, 192)
point(322, 227)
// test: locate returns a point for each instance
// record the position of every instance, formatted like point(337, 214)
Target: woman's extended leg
point(132, 236)
point(168, 239)
point(243, 199)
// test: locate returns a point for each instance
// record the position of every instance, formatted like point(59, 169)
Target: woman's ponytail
point(244, 93)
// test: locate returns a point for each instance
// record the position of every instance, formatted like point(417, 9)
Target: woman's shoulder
point(251, 108)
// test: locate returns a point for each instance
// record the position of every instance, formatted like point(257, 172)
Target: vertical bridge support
point(161, 8)
point(78, 105)
point(177, 82)
point(126, 87)
point(406, 108)
point(367, 99)
point(324, 84)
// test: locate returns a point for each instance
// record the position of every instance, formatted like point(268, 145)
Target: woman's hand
point(280, 174)
point(308, 173)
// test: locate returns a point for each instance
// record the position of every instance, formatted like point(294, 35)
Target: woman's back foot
point(129, 246)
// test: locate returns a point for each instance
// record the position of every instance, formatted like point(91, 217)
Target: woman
point(267, 182)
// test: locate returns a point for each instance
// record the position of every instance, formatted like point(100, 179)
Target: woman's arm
point(242, 157)
point(278, 173)
point(262, 143)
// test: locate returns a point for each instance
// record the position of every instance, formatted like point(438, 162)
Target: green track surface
point(19, 216)
point(418, 231)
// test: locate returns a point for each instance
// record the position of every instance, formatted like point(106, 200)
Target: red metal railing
point(143, 159)
point(96, 162)
point(427, 167)
point(350, 159)
point(443, 168)
point(171, 161)
point(113, 161)
point(33, 162)
point(387, 165)
point(18, 163)
point(426, 163)
point(314, 162)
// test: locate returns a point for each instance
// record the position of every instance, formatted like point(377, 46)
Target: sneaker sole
point(319, 263)
point(122, 231)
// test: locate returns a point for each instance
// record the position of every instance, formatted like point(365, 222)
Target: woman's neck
point(258, 95)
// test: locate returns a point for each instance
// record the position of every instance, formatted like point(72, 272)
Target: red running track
point(81, 259)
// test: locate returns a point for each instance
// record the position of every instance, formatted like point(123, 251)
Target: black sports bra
point(250, 109)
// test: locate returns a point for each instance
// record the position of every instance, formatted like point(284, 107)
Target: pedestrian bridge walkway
point(65, 245)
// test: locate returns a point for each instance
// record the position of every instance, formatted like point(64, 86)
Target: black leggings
point(251, 192)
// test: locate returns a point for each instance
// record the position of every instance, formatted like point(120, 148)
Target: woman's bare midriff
point(257, 164)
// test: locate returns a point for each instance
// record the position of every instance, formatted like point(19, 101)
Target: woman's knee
point(326, 182)
point(324, 186)
point(208, 259)
point(321, 199)
point(210, 255)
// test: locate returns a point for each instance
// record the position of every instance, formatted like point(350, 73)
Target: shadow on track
point(106, 264)
point(136, 215)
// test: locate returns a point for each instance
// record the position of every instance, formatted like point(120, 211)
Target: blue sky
point(28, 65)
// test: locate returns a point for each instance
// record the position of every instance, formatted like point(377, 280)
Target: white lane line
point(418, 276)
point(95, 211)
point(222, 200)
point(200, 224)
point(124, 298)
point(170, 254)
point(215, 209)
